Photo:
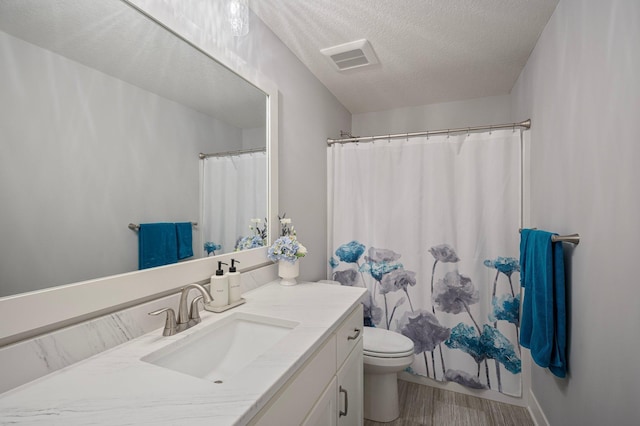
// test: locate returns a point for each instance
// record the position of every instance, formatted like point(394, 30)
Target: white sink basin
point(220, 350)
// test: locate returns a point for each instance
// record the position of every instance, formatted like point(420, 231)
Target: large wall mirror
point(104, 114)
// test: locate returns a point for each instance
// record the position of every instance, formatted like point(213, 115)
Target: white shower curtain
point(430, 227)
point(234, 191)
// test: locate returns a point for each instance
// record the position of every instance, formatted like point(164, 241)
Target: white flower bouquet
point(286, 247)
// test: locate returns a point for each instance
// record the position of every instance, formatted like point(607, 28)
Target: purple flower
point(444, 253)
point(378, 262)
point(381, 255)
point(397, 280)
point(347, 277)
point(463, 378)
point(454, 293)
point(424, 329)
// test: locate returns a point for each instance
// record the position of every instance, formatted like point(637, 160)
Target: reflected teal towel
point(185, 240)
point(157, 245)
point(543, 325)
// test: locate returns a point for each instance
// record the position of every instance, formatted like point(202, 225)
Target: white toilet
point(385, 354)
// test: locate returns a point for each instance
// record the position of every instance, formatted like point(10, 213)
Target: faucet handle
point(194, 313)
point(170, 323)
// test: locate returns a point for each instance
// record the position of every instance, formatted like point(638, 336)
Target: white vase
point(288, 272)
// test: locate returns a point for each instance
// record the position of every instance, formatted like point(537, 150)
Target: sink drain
point(218, 381)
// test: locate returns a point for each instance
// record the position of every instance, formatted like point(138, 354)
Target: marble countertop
point(115, 387)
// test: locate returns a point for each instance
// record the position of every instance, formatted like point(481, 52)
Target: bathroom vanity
point(290, 355)
point(328, 389)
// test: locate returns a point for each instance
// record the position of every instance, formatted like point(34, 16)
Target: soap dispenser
point(235, 291)
point(219, 288)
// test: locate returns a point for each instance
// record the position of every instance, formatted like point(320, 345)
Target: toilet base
point(381, 397)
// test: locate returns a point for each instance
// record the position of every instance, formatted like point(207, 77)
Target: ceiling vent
point(351, 55)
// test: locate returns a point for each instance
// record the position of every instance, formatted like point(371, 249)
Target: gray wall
point(83, 155)
point(254, 138)
point(308, 115)
point(582, 91)
point(472, 112)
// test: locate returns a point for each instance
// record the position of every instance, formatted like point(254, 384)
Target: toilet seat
point(381, 343)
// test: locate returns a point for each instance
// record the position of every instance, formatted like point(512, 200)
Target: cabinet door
point(291, 405)
point(324, 413)
point(351, 389)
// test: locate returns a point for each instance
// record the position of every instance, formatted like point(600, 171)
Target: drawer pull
point(355, 335)
point(346, 401)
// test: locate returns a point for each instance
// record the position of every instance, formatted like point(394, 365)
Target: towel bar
point(135, 227)
point(572, 238)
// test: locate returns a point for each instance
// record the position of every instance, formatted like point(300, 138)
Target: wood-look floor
point(424, 405)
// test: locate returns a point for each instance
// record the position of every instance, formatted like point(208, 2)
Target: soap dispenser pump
point(219, 287)
point(235, 291)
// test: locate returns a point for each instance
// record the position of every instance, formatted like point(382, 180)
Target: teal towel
point(157, 245)
point(185, 240)
point(543, 324)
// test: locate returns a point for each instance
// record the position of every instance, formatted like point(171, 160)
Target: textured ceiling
point(430, 51)
point(117, 40)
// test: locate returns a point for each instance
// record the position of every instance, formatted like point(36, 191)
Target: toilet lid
point(384, 343)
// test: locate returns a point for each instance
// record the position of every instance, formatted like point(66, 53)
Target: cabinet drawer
point(349, 333)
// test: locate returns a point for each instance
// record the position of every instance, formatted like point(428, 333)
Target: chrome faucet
point(186, 319)
point(183, 312)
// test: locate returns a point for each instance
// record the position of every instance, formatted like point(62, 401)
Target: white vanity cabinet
point(328, 388)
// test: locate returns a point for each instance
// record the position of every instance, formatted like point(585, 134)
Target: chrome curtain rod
point(522, 125)
point(135, 227)
point(230, 153)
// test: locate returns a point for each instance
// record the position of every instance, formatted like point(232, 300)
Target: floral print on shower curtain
point(430, 228)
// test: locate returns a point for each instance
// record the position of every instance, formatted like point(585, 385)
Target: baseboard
point(454, 387)
point(536, 411)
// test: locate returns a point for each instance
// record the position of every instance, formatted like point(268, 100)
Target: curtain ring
point(514, 127)
point(448, 133)
point(468, 131)
point(490, 129)
point(407, 137)
point(389, 138)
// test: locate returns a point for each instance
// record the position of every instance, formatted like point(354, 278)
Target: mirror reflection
point(104, 114)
